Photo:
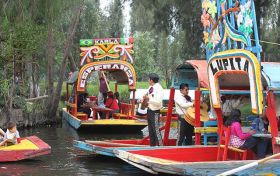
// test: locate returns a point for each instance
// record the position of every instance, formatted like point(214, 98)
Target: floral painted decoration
point(212, 9)
point(205, 4)
point(205, 19)
point(205, 37)
point(215, 38)
point(244, 19)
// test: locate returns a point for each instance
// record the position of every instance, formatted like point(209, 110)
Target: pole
point(106, 81)
point(247, 166)
point(133, 103)
point(169, 115)
point(197, 115)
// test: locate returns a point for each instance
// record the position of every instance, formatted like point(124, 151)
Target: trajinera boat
point(234, 64)
point(28, 147)
point(115, 56)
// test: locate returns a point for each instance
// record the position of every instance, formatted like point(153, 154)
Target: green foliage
point(145, 60)
point(166, 33)
point(18, 102)
point(4, 90)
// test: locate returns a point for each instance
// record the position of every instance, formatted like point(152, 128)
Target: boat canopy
point(191, 72)
point(194, 73)
point(119, 76)
point(271, 72)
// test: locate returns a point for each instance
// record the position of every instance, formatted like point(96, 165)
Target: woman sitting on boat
point(241, 140)
point(112, 103)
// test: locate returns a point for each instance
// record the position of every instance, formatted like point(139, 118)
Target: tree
point(115, 19)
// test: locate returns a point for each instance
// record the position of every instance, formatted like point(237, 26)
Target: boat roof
point(270, 78)
point(271, 72)
point(118, 75)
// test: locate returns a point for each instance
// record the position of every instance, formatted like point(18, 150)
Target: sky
point(104, 4)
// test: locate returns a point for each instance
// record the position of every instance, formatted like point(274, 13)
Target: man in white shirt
point(182, 103)
point(154, 97)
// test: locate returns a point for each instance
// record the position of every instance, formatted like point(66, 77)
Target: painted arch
point(111, 65)
point(236, 61)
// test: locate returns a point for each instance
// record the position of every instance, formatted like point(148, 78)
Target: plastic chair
point(210, 123)
point(125, 111)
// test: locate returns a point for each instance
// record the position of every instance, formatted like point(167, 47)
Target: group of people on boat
point(11, 136)
point(232, 117)
point(105, 99)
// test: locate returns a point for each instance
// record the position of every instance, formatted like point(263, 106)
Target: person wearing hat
point(154, 98)
point(183, 102)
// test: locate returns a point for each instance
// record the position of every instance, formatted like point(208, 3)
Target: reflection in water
point(67, 160)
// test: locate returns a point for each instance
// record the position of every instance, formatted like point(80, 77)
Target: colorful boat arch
point(237, 61)
point(124, 66)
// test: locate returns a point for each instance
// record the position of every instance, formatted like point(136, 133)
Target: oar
point(106, 81)
point(241, 168)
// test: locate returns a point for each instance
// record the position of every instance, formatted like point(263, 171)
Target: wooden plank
point(205, 129)
point(233, 149)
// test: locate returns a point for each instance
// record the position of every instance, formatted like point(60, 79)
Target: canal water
point(67, 160)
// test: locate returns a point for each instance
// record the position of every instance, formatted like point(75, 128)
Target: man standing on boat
point(103, 86)
point(154, 98)
point(183, 102)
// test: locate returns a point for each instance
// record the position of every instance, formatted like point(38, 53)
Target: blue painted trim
point(83, 146)
point(75, 123)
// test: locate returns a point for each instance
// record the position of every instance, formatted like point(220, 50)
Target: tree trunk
point(68, 44)
point(50, 55)
point(72, 63)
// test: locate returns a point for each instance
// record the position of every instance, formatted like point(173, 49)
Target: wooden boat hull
point(29, 147)
point(105, 125)
point(193, 160)
point(107, 148)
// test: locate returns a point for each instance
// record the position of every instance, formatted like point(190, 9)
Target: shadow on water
point(67, 160)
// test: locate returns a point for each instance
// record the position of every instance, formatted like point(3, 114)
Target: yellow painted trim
point(25, 144)
point(205, 129)
point(254, 77)
point(113, 122)
point(92, 64)
point(234, 149)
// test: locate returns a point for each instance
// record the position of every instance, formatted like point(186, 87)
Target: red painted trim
point(219, 115)
point(133, 103)
point(271, 115)
point(67, 95)
point(192, 154)
point(16, 155)
point(197, 116)
point(187, 154)
point(169, 115)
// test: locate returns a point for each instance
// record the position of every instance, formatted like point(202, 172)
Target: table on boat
point(98, 109)
point(262, 135)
